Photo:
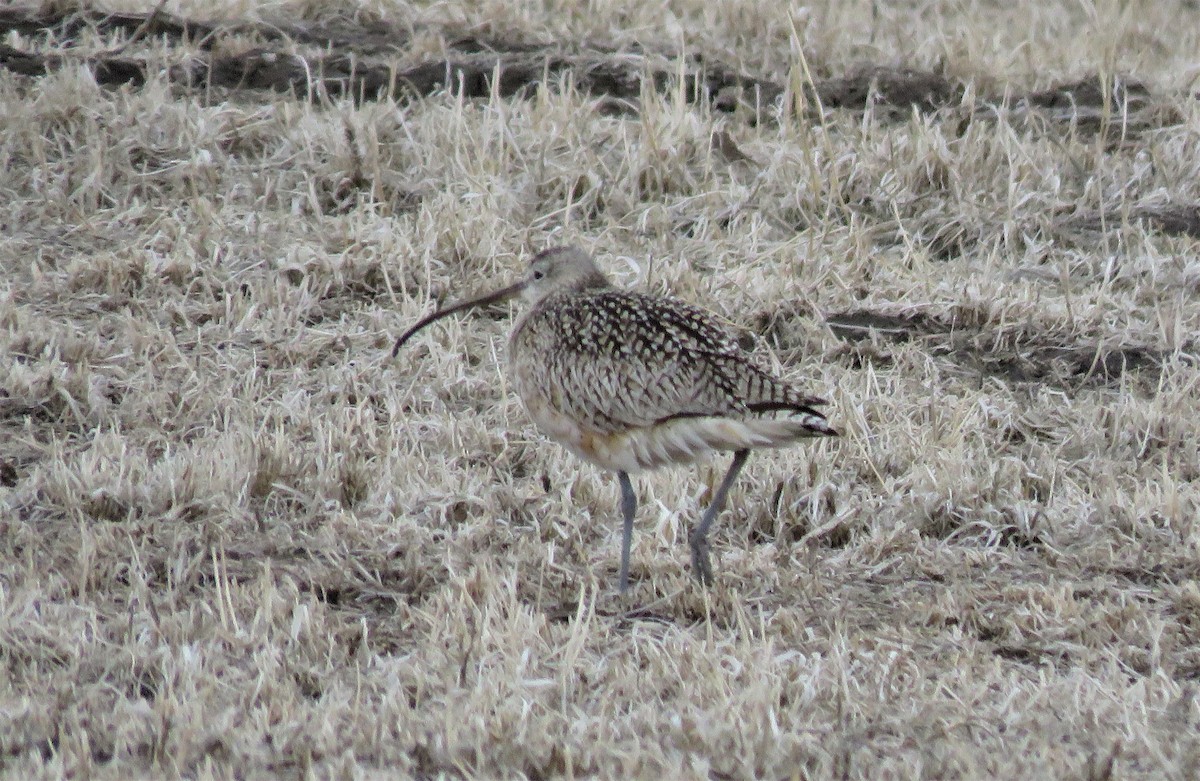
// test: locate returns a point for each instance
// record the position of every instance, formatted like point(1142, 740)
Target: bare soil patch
point(1012, 354)
point(1169, 219)
point(347, 66)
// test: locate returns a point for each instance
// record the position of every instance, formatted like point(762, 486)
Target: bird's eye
point(539, 274)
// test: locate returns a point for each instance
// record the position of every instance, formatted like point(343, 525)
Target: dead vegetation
point(236, 538)
point(358, 61)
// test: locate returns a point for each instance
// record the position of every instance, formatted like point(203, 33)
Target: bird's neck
point(583, 285)
point(587, 281)
point(591, 281)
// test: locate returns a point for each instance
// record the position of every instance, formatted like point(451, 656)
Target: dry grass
point(238, 540)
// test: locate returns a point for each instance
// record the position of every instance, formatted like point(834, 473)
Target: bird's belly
point(680, 441)
point(611, 451)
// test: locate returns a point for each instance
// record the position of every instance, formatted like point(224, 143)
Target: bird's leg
point(699, 537)
point(628, 509)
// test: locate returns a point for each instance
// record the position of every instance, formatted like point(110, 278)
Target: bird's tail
point(765, 395)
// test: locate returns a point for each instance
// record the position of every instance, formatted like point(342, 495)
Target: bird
point(631, 382)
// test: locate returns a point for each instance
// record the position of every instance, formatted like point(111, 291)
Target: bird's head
point(552, 271)
point(560, 270)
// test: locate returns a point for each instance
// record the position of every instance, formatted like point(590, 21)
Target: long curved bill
point(490, 298)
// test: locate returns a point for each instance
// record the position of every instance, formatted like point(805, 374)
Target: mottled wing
point(624, 360)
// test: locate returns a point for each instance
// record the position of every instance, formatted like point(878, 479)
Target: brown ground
point(237, 539)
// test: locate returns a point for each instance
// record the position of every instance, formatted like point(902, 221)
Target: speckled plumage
point(630, 381)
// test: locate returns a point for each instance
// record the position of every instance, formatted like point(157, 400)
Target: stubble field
point(238, 539)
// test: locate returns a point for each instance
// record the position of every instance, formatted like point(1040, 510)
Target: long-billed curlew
point(630, 382)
